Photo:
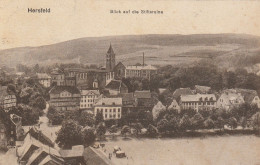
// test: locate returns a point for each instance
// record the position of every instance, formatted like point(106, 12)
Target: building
point(88, 98)
point(174, 106)
point(250, 96)
point(181, 91)
point(119, 70)
point(57, 77)
point(144, 99)
point(80, 75)
point(116, 87)
point(65, 98)
point(129, 103)
point(44, 79)
point(198, 101)
point(16, 128)
point(3, 138)
point(110, 59)
point(228, 100)
point(7, 100)
point(33, 151)
point(111, 108)
point(143, 71)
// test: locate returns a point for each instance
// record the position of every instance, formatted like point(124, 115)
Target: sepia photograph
point(113, 82)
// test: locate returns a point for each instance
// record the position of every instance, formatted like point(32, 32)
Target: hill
point(159, 50)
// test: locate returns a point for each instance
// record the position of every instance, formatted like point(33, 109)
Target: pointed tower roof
point(110, 50)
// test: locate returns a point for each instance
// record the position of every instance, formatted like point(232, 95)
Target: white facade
point(140, 71)
point(88, 98)
point(111, 108)
point(44, 79)
point(198, 101)
point(9, 101)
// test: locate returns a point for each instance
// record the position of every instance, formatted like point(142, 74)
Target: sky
point(71, 19)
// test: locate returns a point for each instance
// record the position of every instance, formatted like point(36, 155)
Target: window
point(119, 116)
point(106, 110)
point(114, 110)
point(119, 109)
point(105, 115)
point(110, 110)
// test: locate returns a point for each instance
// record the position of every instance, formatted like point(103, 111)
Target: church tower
point(110, 59)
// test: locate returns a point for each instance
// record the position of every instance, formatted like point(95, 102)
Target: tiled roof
point(115, 84)
point(141, 67)
point(88, 92)
point(142, 94)
point(127, 96)
point(59, 89)
point(43, 76)
point(248, 94)
point(182, 91)
point(198, 97)
point(96, 157)
point(109, 101)
point(76, 151)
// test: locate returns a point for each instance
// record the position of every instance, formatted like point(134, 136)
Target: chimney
point(143, 58)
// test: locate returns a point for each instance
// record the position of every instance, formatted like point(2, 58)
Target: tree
point(256, 121)
point(39, 102)
point(220, 123)
point(152, 130)
point(101, 130)
point(185, 123)
point(69, 134)
point(138, 127)
point(30, 116)
point(88, 137)
point(125, 129)
point(232, 122)
point(99, 118)
point(243, 122)
point(86, 119)
point(209, 123)
point(197, 121)
point(163, 126)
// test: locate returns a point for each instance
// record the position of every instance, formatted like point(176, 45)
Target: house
point(198, 101)
point(57, 77)
point(129, 103)
point(144, 71)
point(65, 97)
point(181, 91)
point(111, 108)
point(32, 151)
point(116, 87)
point(144, 99)
point(80, 75)
point(202, 89)
point(44, 79)
point(7, 100)
point(174, 106)
point(119, 71)
point(228, 100)
point(16, 129)
point(3, 138)
point(88, 98)
point(250, 96)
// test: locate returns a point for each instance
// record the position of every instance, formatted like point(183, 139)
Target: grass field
point(225, 150)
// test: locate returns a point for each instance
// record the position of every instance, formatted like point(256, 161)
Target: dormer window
point(113, 103)
point(103, 103)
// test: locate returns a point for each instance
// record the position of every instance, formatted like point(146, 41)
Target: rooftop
point(141, 67)
point(142, 94)
point(198, 97)
point(109, 101)
point(59, 89)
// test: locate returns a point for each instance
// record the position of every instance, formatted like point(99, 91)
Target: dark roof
point(127, 97)
point(182, 91)
point(248, 94)
point(59, 89)
point(110, 50)
point(94, 157)
point(142, 94)
point(115, 84)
